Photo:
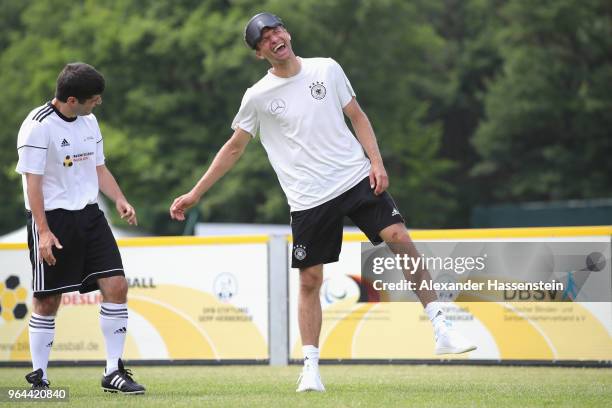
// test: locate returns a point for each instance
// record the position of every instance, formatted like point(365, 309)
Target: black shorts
point(89, 252)
point(317, 231)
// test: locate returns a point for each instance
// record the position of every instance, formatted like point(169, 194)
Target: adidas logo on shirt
point(65, 143)
point(50, 344)
point(395, 212)
point(121, 330)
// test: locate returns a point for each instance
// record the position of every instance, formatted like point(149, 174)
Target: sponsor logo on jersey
point(317, 90)
point(68, 161)
point(277, 106)
point(82, 156)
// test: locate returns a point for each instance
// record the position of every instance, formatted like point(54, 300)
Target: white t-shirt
point(66, 152)
point(301, 125)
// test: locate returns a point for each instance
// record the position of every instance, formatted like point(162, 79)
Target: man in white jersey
point(298, 109)
point(61, 159)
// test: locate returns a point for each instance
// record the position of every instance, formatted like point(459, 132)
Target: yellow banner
point(354, 329)
point(188, 299)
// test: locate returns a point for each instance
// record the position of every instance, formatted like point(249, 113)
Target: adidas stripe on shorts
point(89, 252)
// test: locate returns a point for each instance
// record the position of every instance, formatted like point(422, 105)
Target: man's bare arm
point(46, 239)
point(225, 159)
point(379, 180)
point(108, 185)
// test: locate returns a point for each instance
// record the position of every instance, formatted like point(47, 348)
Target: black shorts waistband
point(88, 207)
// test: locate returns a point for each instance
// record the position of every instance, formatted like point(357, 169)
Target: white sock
point(436, 315)
point(113, 322)
point(42, 332)
point(311, 355)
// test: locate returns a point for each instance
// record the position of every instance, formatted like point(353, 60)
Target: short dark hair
point(79, 80)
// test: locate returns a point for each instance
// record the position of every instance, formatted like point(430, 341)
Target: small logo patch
point(395, 212)
point(50, 344)
point(277, 106)
point(68, 162)
point(225, 286)
point(121, 330)
point(299, 251)
point(65, 143)
point(317, 90)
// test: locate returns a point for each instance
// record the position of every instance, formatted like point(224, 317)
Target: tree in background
point(472, 101)
point(547, 132)
point(176, 72)
point(471, 60)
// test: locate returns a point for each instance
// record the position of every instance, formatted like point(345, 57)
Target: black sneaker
point(36, 379)
point(121, 381)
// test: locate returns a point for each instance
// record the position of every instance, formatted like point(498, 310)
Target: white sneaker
point(452, 342)
point(310, 380)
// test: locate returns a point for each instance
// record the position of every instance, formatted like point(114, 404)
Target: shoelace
point(127, 373)
point(42, 383)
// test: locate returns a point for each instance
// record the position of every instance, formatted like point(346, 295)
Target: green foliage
point(471, 61)
point(425, 73)
point(176, 73)
point(547, 132)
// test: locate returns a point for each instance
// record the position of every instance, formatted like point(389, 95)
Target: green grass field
point(347, 386)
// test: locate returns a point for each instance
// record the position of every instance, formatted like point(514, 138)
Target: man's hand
point(46, 242)
point(181, 204)
point(379, 181)
point(126, 211)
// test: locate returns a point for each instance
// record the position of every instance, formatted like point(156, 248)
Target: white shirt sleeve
point(32, 146)
point(344, 90)
point(100, 149)
point(246, 118)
